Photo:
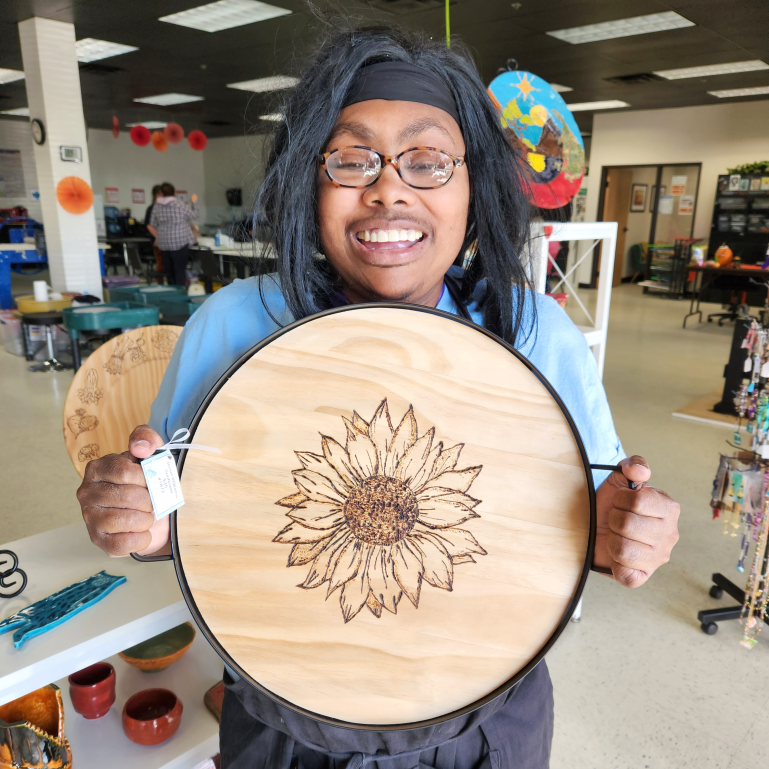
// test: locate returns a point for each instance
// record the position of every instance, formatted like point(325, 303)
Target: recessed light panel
point(19, 112)
point(225, 14)
point(264, 84)
point(148, 124)
point(10, 75)
point(635, 25)
point(713, 69)
point(166, 99)
point(560, 88)
point(90, 49)
point(586, 106)
point(274, 117)
point(740, 92)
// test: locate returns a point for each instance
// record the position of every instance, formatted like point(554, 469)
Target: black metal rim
point(211, 638)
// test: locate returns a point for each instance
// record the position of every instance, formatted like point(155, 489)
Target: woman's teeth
point(389, 236)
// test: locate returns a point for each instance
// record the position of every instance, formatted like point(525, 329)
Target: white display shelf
point(102, 743)
point(148, 603)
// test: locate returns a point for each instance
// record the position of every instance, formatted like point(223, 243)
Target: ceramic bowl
point(152, 716)
point(156, 654)
point(92, 690)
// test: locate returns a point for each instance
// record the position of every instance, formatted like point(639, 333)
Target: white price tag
point(163, 483)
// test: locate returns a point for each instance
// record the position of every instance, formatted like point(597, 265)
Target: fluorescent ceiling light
point(584, 106)
point(10, 75)
point(274, 117)
point(225, 14)
point(635, 25)
point(560, 88)
point(90, 49)
point(20, 112)
point(264, 84)
point(148, 124)
point(713, 69)
point(166, 99)
point(740, 92)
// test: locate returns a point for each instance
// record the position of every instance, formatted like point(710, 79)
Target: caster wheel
point(710, 628)
point(710, 320)
point(716, 592)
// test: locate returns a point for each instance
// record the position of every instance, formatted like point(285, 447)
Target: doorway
point(652, 204)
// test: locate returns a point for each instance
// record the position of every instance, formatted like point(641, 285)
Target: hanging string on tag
point(177, 442)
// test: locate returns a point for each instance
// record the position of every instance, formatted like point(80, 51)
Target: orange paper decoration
point(74, 194)
point(197, 140)
point(140, 135)
point(159, 141)
point(174, 133)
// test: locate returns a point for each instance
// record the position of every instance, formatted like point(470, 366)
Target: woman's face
point(403, 270)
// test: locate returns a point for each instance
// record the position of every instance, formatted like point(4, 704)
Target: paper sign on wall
point(112, 196)
point(686, 205)
point(182, 196)
point(666, 204)
point(11, 175)
point(678, 185)
point(137, 196)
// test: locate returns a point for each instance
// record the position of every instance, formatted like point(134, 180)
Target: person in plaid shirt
point(170, 224)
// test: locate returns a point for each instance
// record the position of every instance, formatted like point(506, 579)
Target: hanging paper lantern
point(197, 140)
point(159, 141)
point(115, 126)
point(540, 125)
point(174, 133)
point(140, 135)
point(74, 194)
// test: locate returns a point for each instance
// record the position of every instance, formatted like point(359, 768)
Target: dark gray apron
point(513, 731)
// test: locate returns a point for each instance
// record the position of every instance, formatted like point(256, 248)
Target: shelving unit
point(659, 267)
point(147, 604)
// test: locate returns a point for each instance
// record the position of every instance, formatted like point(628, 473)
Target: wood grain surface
point(467, 575)
point(113, 390)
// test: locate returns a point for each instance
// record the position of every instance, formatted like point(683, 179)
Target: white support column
point(53, 94)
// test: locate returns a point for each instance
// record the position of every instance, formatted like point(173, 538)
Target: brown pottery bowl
point(92, 690)
point(152, 716)
point(156, 654)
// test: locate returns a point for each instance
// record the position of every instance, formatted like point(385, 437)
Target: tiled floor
point(637, 684)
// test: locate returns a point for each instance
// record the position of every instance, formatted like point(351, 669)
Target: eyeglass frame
point(457, 162)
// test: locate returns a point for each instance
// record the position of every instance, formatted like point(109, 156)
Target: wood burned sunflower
point(378, 516)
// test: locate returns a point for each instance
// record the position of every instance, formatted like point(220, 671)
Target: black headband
point(401, 81)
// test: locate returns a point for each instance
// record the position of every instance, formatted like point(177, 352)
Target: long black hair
point(499, 214)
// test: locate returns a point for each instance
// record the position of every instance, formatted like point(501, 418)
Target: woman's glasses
point(424, 168)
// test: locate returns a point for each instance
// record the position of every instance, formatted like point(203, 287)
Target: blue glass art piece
point(47, 613)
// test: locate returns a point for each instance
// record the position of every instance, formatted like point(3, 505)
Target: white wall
point(233, 161)
point(121, 163)
point(15, 135)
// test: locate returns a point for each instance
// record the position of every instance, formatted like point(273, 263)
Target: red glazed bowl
point(92, 690)
point(152, 716)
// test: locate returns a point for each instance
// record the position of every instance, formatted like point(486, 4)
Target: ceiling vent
point(637, 79)
point(100, 69)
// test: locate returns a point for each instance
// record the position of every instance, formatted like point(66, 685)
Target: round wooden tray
point(400, 521)
point(113, 390)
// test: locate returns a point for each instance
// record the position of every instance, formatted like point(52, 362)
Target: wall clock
point(38, 131)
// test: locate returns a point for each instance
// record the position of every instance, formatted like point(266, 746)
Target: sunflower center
point(381, 511)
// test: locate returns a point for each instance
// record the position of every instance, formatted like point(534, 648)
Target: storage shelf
point(148, 603)
point(102, 743)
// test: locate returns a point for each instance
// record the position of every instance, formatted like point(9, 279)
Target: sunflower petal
point(456, 541)
point(293, 500)
point(351, 429)
point(317, 487)
point(439, 571)
point(322, 563)
point(381, 432)
point(337, 457)
point(319, 463)
point(355, 592)
point(381, 580)
point(316, 515)
point(445, 511)
point(458, 480)
point(296, 532)
point(374, 606)
point(402, 440)
point(415, 457)
point(457, 559)
point(346, 563)
point(359, 422)
point(305, 552)
point(447, 460)
point(457, 496)
point(407, 568)
point(421, 477)
point(363, 455)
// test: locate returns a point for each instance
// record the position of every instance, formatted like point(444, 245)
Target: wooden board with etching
point(398, 525)
point(113, 390)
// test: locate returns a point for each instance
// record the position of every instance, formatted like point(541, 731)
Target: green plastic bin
point(181, 306)
point(146, 294)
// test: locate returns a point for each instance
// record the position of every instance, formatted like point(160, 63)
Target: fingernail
point(142, 444)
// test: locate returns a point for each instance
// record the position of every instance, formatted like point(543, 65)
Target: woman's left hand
point(637, 528)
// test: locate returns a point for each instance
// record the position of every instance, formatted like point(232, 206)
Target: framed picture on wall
point(638, 198)
point(653, 196)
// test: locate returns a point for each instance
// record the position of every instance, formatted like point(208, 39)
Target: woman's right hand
point(116, 504)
